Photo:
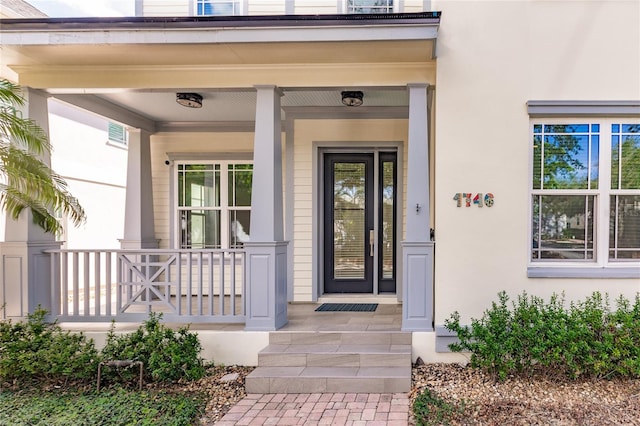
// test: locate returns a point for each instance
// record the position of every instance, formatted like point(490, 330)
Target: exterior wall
point(97, 177)
point(269, 7)
point(311, 7)
point(492, 58)
point(350, 133)
point(167, 8)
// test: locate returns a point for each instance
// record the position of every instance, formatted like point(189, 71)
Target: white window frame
point(238, 6)
point(224, 207)
point(601, 265)
point(394, 7)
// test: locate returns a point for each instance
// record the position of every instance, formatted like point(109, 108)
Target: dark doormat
point(347, 307)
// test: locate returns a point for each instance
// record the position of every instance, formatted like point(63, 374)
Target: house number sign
point(479, 199)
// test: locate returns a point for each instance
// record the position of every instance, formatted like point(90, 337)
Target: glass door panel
point(387, 223)
point(348, 222)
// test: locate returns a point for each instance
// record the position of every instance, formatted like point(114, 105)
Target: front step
point(311, 362)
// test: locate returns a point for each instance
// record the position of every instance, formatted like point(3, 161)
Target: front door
point(359, 222)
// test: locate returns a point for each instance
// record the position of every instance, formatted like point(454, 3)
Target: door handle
point(371, 242)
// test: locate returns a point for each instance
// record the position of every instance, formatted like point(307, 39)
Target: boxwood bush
point(166, 354)
point(529, 335)
point(35, 350)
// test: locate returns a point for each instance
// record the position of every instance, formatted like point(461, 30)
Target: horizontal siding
point(413, 6)
point(266, 7)
point(312, 7)
point(166, 8)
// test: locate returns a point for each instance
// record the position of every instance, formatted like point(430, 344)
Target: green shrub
point(36, 350)
point(166, 354)
point(430, 409)
point(530, 336)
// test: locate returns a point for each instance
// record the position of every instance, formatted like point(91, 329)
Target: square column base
point(26, 280)
point(417, 286)
point(266, 298)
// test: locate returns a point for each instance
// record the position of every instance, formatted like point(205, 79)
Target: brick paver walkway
point(353, 409)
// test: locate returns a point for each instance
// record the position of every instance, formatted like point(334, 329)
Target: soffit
point(219, 54)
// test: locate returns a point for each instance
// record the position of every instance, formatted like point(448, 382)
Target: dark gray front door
point(355, 243)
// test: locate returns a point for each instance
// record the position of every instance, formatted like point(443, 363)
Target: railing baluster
point(86, 283)
point(54, 260)
point(96, 282)
point(232, 284)
point(64, 285)
point(210, 280)
point(200, 283)
point(76, 288)
point(119, 280)
point(221, 284)
point(179, 283)
point(107, 279)
point(189, 283)
point(243, 280)
point(146, 258)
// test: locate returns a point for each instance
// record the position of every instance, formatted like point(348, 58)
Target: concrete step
point(329, 379)
point(312, 361)
point(339, 338)
point(335, 356)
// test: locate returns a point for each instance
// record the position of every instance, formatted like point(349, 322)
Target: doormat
point(347, 307)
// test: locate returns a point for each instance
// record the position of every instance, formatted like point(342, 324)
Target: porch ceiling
point(137, 66)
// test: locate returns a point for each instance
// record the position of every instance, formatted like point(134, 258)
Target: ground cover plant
point(112, 407)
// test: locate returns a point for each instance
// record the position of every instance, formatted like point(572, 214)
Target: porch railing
point(126, 285)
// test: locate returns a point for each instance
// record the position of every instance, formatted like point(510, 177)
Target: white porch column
point(139, 232)
point(417, 248)
point(25, 276)
point(266, 296)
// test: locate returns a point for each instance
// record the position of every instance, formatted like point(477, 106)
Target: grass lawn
point(108, 407)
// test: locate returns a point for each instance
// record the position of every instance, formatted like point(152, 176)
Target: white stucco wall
point(494, 56)
point(95, 171)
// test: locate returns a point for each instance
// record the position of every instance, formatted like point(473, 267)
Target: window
point(369, 6)
point(217, 7)
point(214, 204)
point(586, 191)
point(117, 134)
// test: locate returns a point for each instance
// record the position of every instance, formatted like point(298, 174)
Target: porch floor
point(302, 317)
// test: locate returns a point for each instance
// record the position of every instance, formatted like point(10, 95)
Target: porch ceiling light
point(189, 100)
point(352, 98)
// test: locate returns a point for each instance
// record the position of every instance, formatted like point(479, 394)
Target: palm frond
point(29, 183)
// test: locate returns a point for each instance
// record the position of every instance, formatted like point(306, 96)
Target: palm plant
point(26, 182)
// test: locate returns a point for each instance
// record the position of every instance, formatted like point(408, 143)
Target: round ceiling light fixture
point(352, 98)
point(189, 100)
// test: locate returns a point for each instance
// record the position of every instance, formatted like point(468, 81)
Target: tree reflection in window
point(624, 225)
point(565, 159)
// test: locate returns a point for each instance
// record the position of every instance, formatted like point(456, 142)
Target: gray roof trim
point(582, 272)
point(344, 112)
point(152, 22)
point(244, 29)
point(109, 111)
point(583, 108)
